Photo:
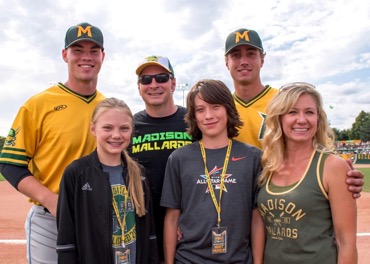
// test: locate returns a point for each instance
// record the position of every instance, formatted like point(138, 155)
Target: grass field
point(365, 171)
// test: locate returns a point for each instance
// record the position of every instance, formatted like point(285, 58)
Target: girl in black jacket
point(104, 212)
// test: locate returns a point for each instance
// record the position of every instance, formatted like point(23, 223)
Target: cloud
point(325, 43)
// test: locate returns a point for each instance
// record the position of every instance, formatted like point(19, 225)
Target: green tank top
point(298, 219)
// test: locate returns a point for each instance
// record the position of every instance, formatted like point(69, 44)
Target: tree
point(341, 134)
point(361, 127)
point(337, 133)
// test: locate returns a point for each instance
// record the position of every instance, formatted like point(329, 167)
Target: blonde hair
point(135, 182)
point(273, 143)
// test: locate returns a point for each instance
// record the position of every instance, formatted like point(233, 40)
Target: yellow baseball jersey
point(50, 131)
point(253, 114)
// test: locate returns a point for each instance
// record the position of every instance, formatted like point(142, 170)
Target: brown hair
point(212, 92)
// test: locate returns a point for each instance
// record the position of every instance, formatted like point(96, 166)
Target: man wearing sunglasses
point(159, 129)
point(244, 58)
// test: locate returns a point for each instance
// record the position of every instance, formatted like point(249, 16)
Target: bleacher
point(356, 150)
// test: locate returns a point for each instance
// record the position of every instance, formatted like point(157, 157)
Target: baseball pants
point(41, 234)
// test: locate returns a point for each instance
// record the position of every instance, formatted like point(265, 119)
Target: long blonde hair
point(135, 182)
point(273, 143)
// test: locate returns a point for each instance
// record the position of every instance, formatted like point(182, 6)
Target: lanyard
point(210, 186)
point(121, 223)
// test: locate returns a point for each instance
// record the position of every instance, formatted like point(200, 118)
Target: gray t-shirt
point(127, 253)
point(185, 188)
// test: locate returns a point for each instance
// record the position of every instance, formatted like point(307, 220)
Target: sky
point(326, 43)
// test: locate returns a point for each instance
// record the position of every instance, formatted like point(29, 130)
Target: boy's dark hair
point(212, 92)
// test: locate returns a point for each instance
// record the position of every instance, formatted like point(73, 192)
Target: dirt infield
point(13, 212)
point(362, 165)
point(14, 208)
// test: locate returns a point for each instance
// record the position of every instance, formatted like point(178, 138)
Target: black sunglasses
point(159, 78)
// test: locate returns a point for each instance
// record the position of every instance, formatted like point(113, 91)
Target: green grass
point(1, 177)
point(366, 172)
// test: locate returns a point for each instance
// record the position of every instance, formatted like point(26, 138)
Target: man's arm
point(22, 179)
point(355, 180)
point(14, 174)
point(170, 234)
point(33, 189)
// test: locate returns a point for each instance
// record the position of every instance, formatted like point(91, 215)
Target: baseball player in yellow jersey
point(51, 130)
point(244, 58)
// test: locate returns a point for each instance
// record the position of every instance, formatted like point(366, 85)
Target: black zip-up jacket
point(84, 216)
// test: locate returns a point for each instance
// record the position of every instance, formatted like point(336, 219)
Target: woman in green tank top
point(303, 194)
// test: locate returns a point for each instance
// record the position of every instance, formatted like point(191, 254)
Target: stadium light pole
point(183, 87)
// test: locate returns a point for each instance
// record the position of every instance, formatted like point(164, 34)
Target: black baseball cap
point(243, 36)
point(84, 31)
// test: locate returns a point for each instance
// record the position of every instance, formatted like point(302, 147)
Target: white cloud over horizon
point(324, 43)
